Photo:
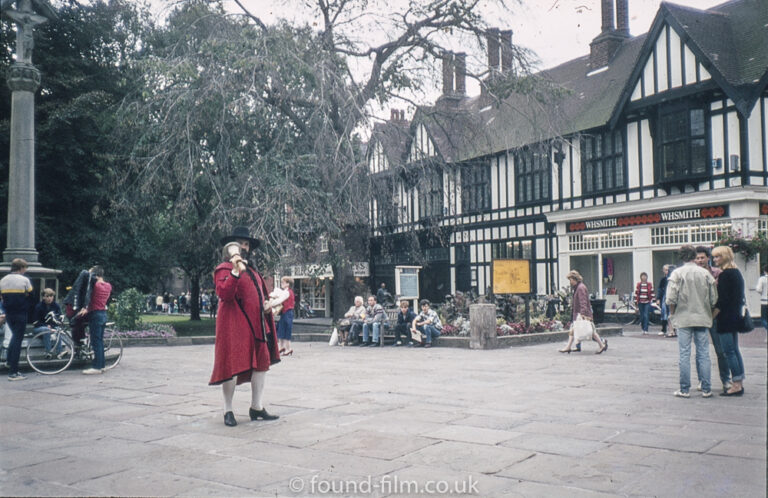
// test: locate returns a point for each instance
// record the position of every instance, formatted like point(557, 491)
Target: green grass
point(183, 325)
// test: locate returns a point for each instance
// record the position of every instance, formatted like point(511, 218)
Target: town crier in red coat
point(245, 330)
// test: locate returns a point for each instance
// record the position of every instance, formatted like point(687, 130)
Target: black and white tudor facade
point(654, 141)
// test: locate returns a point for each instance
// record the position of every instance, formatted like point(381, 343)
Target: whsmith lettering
point(683, 214)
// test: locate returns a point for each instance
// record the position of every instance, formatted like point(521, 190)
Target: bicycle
point(63, 350)
point(628, 313)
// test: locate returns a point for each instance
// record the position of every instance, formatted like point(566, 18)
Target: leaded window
point(683, 146)
point(603, 162)
point(475, 187)
point(533, 175)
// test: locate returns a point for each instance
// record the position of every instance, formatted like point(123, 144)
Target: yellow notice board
point(511, 276)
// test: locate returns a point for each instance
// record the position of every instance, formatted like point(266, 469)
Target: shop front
point(313, 285)
point(612, 251)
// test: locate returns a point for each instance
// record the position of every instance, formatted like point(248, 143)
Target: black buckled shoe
point(229, 419)
point(261, 414)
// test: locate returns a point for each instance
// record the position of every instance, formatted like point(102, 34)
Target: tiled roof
point(394, 136)
point(732, 37)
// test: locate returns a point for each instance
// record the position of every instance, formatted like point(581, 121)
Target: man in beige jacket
point(691, 297)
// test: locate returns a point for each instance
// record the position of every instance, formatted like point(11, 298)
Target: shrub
point(127, 310)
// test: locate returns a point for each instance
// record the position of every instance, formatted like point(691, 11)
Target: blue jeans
point(722, 363)
point(47, 339)
point(664, 310)
point(703, 367)
point(96, 323)
point(17, 324)
point(645, 310)
point(730, 344)
point(430, 332)
point(367, 331)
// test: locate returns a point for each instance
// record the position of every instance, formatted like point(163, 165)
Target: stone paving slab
point(385, 422)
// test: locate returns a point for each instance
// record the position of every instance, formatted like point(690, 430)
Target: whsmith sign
point(652, 218)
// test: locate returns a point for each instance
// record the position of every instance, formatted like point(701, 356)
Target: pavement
point(524, 421)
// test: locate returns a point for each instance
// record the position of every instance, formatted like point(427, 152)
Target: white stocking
point(228, 388)
point(257, 389)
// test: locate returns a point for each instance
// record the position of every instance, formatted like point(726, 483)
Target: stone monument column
point(23, 80)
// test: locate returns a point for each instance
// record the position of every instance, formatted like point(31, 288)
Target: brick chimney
point(505, 39)
point(605, 45)
point(622, 17)
point(460, 65)
point(492, 37)
point(448, 73)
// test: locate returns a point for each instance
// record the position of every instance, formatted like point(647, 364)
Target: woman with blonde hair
point(581, 306)
point(727, 313)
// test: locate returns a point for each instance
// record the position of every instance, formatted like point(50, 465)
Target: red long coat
point(236, 351)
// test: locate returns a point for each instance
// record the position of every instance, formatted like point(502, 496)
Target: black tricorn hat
point(241, 233)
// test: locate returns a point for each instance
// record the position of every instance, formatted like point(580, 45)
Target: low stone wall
point(446, 341)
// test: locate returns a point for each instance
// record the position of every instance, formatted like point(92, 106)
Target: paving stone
point(584, 426)
point(559, 445)
point(477, 458)
point(374, 444)
point(470, 434)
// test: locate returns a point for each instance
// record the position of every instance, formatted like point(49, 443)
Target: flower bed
point(461, 327)
point(149, 331)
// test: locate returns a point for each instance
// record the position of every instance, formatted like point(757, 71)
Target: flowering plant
point(149, 330)
point(749, 247)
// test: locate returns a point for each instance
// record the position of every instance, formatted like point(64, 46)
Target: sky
point(555, 30)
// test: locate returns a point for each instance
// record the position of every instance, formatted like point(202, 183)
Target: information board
point(407, 282)
point(511, 276)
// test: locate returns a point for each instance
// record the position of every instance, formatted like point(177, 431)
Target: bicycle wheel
point(113, 348)
point(626, 315)
point(58, 360)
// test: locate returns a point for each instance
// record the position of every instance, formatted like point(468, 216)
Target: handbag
point(582, 329)
point(746, 324)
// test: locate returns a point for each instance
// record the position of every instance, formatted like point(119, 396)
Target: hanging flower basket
point(749, 247)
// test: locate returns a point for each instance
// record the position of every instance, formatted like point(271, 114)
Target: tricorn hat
point(241, 233)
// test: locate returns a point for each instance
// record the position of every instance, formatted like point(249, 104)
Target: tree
point(83, 56)
point(261, 124)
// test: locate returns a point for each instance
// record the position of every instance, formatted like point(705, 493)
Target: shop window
point(683, 148)
point(533, 175)
point(313, 291)
point(602, 240)
point(475, 187)
point(513, 249)
point(603, 162)
point(431, 194)
point(698, 233)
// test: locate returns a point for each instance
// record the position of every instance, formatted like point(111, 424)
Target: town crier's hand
point(238, 264)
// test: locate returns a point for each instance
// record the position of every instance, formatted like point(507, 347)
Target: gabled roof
point(394, 137)
point(730, 39)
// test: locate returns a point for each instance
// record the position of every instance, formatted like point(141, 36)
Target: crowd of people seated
point(365, 325)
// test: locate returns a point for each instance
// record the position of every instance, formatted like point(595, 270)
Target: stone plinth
point(482, 319)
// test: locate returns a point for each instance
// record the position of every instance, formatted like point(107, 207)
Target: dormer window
point(682, 144)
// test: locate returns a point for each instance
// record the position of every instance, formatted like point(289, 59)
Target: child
point(644, 298)
point(47, 305)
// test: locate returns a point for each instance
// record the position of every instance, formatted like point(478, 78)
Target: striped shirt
point(15, 289)
point(644, 292)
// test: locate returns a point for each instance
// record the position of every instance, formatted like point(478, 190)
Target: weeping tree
point(241, 122)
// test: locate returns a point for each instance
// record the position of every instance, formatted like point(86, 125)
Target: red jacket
point(237, 353)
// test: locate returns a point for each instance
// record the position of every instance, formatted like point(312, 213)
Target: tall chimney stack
point(492, 36)
point(460, 64)
point(505, 38)
point(607, 13)
point(448, 73)
point(622, 17)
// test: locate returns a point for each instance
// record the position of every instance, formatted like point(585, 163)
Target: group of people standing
point(704, 306)
point(86, 303)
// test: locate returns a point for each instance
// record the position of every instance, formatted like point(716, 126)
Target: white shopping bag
point(582, 329)
point(334, 337)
